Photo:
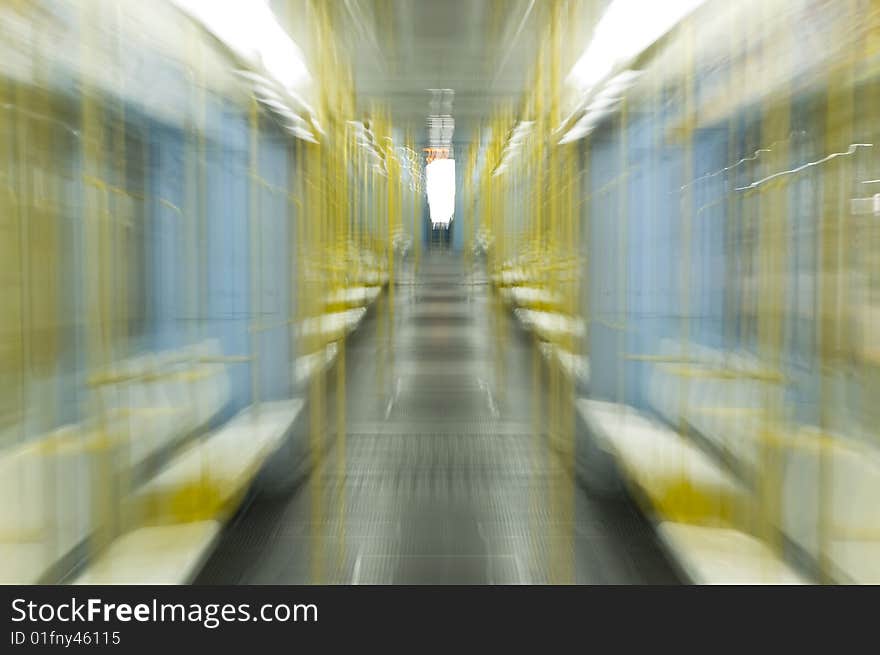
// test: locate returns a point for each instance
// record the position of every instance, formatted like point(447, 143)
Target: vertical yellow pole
point(37, 281)
point(773, 235)
point(538, 239)
point(391, 220)
point(839, 117)
point(471, 214)
point(321, 169)
point(383, 298)
point(562, 563)
point(95, 238)
point(122, 233)
point(341, 427)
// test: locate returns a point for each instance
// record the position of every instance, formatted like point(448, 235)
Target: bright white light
point(583, 127)
point(250, 29)
point(522, 129)
point(601, 103)
point(621, 82)
point(626, 29)
point(440, 185)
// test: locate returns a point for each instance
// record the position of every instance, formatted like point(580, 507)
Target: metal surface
point(442, 479)
point(404, 50)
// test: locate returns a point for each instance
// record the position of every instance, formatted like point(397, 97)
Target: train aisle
point(441, 477)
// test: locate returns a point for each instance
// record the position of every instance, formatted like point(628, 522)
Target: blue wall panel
point(228, 241)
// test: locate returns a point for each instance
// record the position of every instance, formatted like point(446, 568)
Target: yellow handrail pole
point(776, 127)
point(496, 210)
point(123, 268)
point(535, 275)
point(45, 315)
point(30, 245)
point(538, 220)
point(839, 118)
point(381, 314)
point(12, 320)
point(94, 218)
point(419, 210)
point(391, 219)
point(561, 491)
point(359, 192)
point(471, 216)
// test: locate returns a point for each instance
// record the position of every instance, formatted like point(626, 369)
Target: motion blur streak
point(410, 291)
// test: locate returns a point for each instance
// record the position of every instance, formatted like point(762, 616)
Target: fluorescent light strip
point(251, 30)
point(626, 29)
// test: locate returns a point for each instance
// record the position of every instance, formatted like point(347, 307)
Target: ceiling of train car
point(481, 49)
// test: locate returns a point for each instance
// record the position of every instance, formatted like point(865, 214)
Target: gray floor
point(445, 474)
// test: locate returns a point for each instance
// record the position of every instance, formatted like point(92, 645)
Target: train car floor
point(444, 473)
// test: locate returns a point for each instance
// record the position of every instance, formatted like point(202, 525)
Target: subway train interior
point(440, 292)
